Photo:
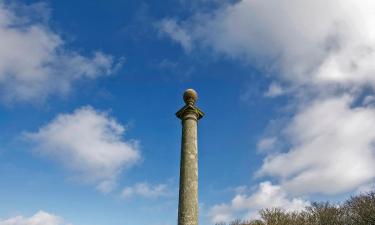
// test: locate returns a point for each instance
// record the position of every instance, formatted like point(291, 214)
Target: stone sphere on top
point(190, 96)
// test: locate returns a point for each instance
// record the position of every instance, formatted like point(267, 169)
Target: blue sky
point(88, 92)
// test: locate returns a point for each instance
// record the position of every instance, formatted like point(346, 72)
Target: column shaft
point(188, 195)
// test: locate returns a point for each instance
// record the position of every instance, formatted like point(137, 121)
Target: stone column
point(188, 194)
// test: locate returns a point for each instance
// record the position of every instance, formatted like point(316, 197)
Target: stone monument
point(188, 194)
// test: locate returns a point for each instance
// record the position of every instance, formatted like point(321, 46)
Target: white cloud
point(40, 218)
point(332, 148)
point(266, 196)
point(90, 144)
point(176, 33)
point(369, 100)
point(35, 61)
point(220, 213)
point(274, 90)
point(267, 144)
point(365, 188)
point(338, 46)
point(146, 190)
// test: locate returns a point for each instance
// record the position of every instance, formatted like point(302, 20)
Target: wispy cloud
point(175, 32)
point(146, 190)
point(39, 218)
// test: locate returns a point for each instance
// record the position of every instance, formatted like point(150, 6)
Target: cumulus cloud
point(267, 195)
point(146, 190)
point(332, 148)
point(40, 218)
point(35, 61)
point(90, 144)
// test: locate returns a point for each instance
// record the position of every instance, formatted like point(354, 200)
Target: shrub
point(358, 210)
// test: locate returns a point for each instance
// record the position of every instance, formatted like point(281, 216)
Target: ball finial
point(190, 96)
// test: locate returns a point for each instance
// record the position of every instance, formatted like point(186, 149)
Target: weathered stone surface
point(188, 194)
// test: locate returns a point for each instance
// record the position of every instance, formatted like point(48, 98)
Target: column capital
point(190, 110)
